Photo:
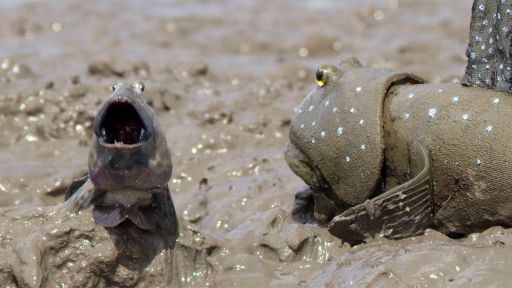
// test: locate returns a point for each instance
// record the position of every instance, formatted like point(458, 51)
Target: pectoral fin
point(75, 186)
point(144, 217)
point(108, 216)
point(79, 196)
point(401, 212)
point(167, 219)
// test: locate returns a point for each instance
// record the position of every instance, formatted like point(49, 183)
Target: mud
point(224, 78)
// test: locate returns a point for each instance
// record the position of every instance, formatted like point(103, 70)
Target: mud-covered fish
point(129, 166)
point(386, 154)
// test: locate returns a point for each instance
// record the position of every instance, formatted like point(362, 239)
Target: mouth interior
point(122, 124)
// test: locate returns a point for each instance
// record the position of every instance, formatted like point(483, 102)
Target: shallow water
point(223, 78)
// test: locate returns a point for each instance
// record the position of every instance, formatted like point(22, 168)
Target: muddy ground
point(224, 78)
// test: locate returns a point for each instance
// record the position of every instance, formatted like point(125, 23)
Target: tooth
point(142, 132)
point(103, 132)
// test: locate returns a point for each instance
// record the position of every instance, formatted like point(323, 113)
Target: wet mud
point(223, 78)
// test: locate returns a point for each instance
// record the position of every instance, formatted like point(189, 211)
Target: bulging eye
point(139, 86)
point(115, 86)
point(321, 75)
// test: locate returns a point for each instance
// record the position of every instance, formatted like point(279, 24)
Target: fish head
point(309, 131)
point(337, 132)
point(129, 148)
point(335, 144)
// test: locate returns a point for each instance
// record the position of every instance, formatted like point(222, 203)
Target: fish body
point(385, 153)
point(129, 165)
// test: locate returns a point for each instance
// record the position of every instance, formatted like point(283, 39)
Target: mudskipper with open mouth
point(129, 166)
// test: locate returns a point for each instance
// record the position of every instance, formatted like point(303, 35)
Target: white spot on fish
point(496, 100)
point(363, 147)
point(352, 110)
point(406, 115)
point(313, 141)
point(407, 209)
point(340, 130)
point(439, 90)
point(347, 158)
point(488, 128)
point(322, 134)
point(334, 109)
point(301, 126)
point(481, 7)
point(313, 123)
point(485, 22)
point(311, 108)
point(432, 112)
point(358, 89)
point(465, 116)
point(326, 103)
point(361, 122)
point(479, 162)
point(411, 95)
point(455, 99)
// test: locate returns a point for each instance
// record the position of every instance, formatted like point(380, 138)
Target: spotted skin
point(488, 51)
point(344, 135)
point(463, 130)
point(468, 141)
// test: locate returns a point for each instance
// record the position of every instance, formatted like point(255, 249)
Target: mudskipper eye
point(321, 75)
point(115, 86)
point(139, 86)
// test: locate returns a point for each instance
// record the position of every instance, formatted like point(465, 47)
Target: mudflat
point(223, 78)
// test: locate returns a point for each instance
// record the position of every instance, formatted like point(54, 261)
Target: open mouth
point(122, 125)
